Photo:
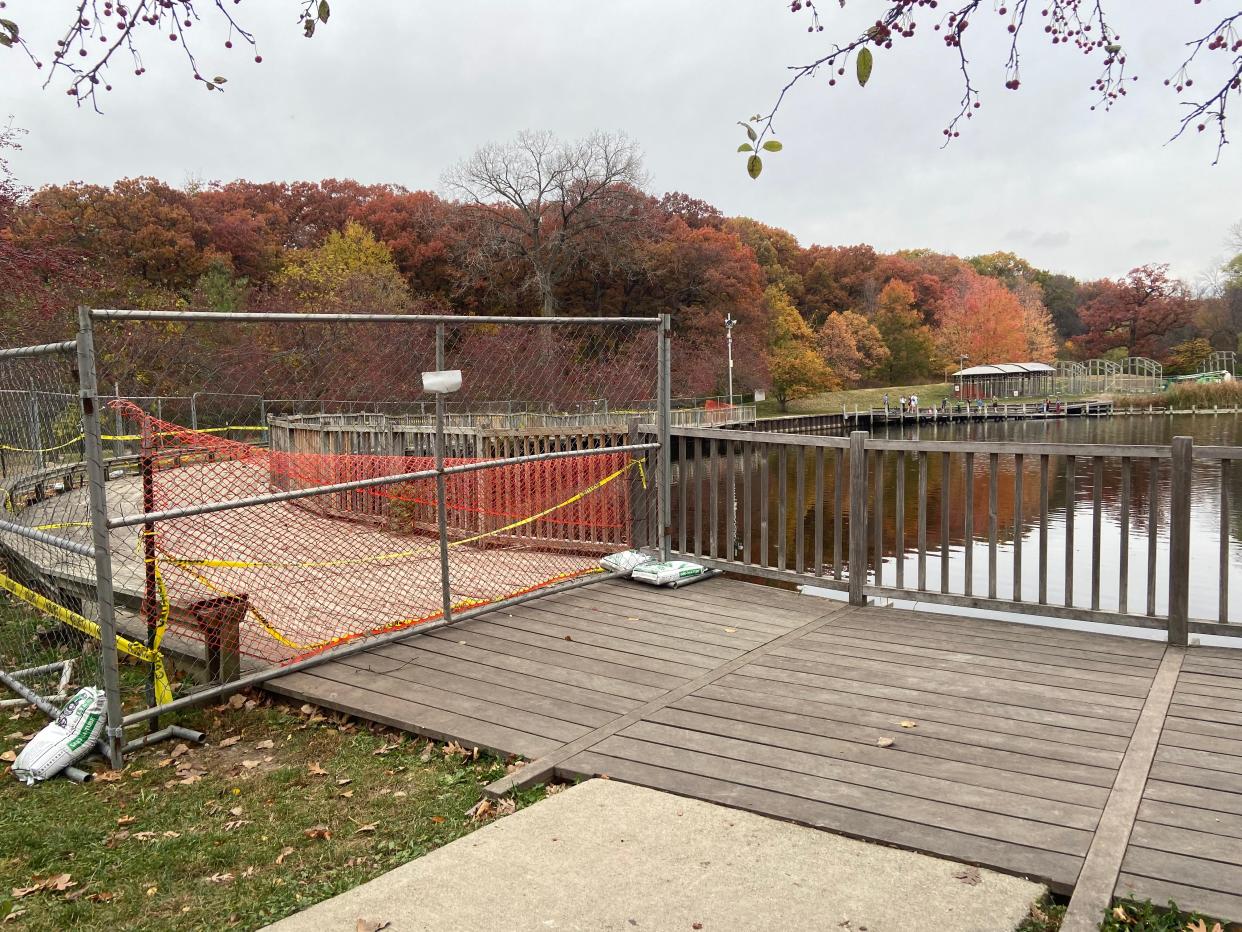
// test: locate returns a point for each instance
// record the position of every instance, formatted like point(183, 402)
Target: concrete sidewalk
point(609, 856)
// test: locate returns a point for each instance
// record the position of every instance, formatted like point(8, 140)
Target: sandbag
point(663, 574)
point(66, 740)
point(625, 561)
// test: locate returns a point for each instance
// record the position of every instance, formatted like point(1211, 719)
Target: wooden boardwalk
point(985, 741)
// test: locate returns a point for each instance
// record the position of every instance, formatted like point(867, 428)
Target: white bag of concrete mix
point(64, 741)
point(664, 574)
point(625, 561)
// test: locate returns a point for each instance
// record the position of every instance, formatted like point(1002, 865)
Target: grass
point(283, 808)
point(1185, 397)
point(1048, 912)
point(830, 402)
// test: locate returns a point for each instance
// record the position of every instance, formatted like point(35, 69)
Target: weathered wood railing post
point(1179, 541)
point(858, 516)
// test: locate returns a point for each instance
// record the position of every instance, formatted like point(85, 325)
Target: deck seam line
point(1093, 892)
point(546, 765)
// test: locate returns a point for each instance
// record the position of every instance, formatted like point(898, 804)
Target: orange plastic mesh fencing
point(321, 570)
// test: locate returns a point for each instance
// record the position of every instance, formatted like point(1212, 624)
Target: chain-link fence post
point(114, 735)
point(441, 506)
point(664, 404)
point(36, 429)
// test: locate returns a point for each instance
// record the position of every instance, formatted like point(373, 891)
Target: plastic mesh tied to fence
point(317, 571)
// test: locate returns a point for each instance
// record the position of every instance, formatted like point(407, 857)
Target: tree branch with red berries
point(101, 31)
point(1080, 24)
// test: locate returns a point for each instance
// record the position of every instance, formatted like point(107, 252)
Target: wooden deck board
point(775, 702)
point(1184, 843)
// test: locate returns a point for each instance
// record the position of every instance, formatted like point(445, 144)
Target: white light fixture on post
point(730, 323)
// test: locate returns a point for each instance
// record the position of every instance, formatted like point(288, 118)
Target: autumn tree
point(908, 339)
point(990, 323)
point(542, 202)
point(1187, 357)
point(1138, 313)
point(796, 366)
point(351, 271)
point(851, 346)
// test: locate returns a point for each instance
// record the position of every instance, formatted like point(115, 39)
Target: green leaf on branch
point(863, 66)
point(324, 11)
point(745, 147)
point(754, 165)
point(772, 146)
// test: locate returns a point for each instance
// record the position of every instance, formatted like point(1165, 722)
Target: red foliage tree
point(1140, 312)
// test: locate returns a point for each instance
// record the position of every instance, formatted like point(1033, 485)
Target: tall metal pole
point(441, 508)
point(36, 429)
point(729, 322)
point(114, 735)
point(664, 403)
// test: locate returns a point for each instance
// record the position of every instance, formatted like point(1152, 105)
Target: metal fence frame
point(102, 523)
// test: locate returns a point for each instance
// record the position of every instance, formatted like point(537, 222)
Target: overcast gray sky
point(397, 92)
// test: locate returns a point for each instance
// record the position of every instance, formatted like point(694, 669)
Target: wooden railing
point(1089, 532)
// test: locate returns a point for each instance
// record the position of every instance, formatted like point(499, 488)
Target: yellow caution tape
point(167, 433)
point(151, 655)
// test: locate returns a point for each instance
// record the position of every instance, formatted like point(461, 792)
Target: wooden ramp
point(988, 742)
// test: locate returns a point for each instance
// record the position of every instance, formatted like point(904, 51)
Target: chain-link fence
point(273, 487)
point(48, 631)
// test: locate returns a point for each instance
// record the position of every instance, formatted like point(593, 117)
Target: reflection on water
point(1018, 510)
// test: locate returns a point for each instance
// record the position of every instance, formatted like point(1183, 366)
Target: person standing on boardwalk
point(886, 404)
point(903, 404)
point(914, 404)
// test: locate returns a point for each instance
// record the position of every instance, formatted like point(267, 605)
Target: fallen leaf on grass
point(236, 701)
point(103, 896)
point(109, 776)
point(969, 876)
point(265, 745)
point(435, 818)
point(57, 883)
point(251, 764)
point(127, 820)
point(229, 742)
point(8, 756)
point(226, 877)
point(884, 742)
point(481, 810)
point(553, 788)
point(506, 806)
point(178, 751)
point(1200, 925)
point(427, 751)
point(344, 781)
point(14, 915)
point(318, 831)
point(369, 827)
point(284, 853)
point(315, 770)
point(371, 925)
point(235, 811)
point(236, 823)
point(307, 709)
point(346, 794)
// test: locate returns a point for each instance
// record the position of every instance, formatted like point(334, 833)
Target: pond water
point(1018, 520)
